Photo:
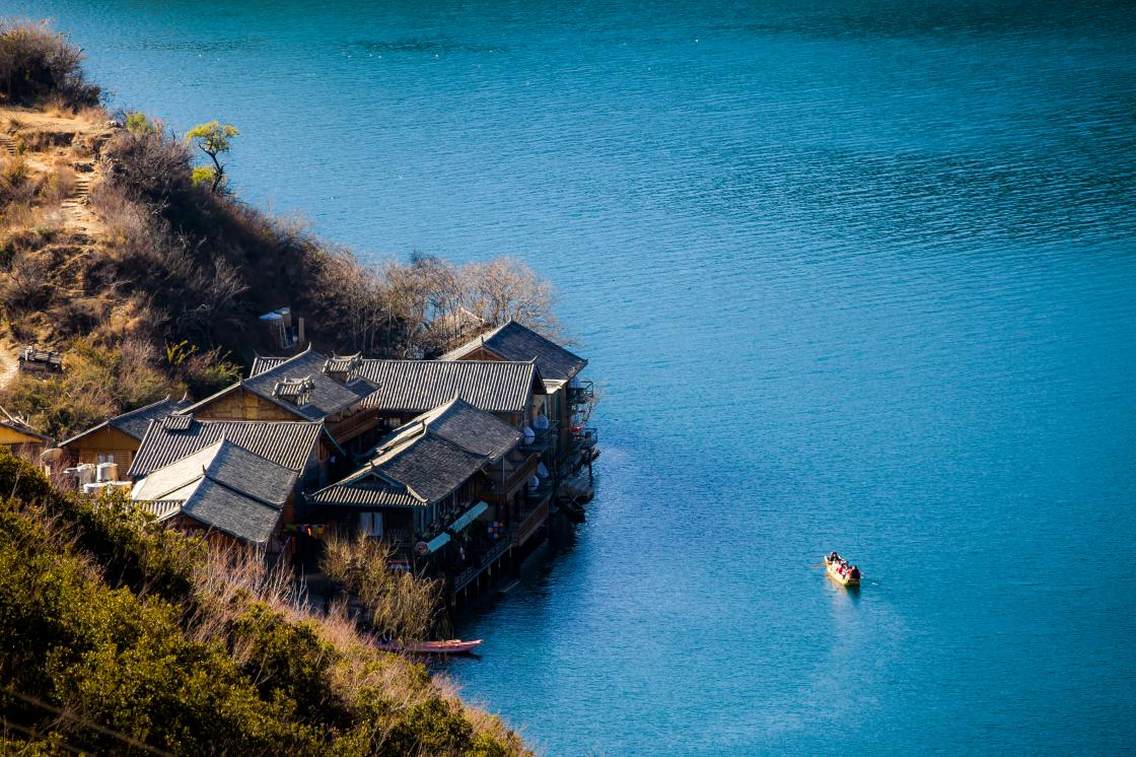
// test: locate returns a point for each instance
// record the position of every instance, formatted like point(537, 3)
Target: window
point(371, 524)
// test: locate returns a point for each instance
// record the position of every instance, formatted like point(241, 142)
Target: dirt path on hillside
point(9, 364)
point(61, 141)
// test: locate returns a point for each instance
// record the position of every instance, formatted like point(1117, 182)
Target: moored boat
point(840, 570)
point(450, 646)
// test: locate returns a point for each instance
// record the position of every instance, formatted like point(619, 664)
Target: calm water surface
point(853, 275)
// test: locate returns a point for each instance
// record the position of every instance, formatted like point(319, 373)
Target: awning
point(469, 516)
point(437, 542)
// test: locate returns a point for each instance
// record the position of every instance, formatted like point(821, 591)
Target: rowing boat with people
point(841, 571)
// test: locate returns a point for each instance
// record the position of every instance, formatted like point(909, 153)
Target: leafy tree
point(213, 138)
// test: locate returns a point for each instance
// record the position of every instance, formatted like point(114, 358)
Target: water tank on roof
point(85, 474)
point(107, 472)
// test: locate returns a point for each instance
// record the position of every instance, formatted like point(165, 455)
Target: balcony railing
point(469, 574)
point(505, 475)
point(585, 438)
point(532, 522)
point(581, 393)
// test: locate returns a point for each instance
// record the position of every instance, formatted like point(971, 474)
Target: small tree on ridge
point(213, 138)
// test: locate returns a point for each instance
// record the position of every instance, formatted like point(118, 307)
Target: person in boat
point(835, 557)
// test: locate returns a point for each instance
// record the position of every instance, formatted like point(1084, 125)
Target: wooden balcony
point(581, 394)
point(467, 576)
point(511, 472)
point(530, 524)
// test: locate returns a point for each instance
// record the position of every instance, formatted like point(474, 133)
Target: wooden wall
point(240, 404)
point(480, 354)
point(10, 437)
point(109, 442)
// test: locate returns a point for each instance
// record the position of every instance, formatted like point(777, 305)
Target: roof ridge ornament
point(298, 391)
point(343, 368)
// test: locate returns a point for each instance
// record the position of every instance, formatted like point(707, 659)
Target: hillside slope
point(117, 635)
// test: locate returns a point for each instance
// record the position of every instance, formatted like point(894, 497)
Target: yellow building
point(19, 438)
point(116, 439)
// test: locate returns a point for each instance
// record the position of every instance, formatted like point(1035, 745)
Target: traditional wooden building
point(116, 439)
point(455, 488)
point(404, 389)
point(309, 386)
point(225, 491)
point(19, 438)
point(303, 447)
point(234, 479)
point(565, 396)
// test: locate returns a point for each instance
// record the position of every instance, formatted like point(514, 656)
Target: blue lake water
point(853, 275)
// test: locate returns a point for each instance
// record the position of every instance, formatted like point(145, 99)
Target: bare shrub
point(201, 292)
point(210, 371)
point(59, 183)
point(18, 185)
point(37, 64)
point(227, 579)
point(402, 606)
point(25, 285)
point(149, 164)
point(506, 289)
point(138, 377)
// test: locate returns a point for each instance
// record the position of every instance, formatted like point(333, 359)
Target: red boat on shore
point(451, 646)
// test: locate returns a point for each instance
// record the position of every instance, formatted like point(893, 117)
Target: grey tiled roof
point(226, 463)
point(343, 363)
point(223, 486)
point(134, 422)
point(426, 459)
point(327, 396)
point(512, 341)
point(162, 508)
point(366, 490)
point(415, 386)
point(471, 429)
point(232, 512)
point(430, 466)
point(286, 443)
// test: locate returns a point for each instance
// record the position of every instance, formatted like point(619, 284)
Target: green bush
point(102, 649)
point(202, 176)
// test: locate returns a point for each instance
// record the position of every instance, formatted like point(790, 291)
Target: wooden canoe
point(451, 646)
